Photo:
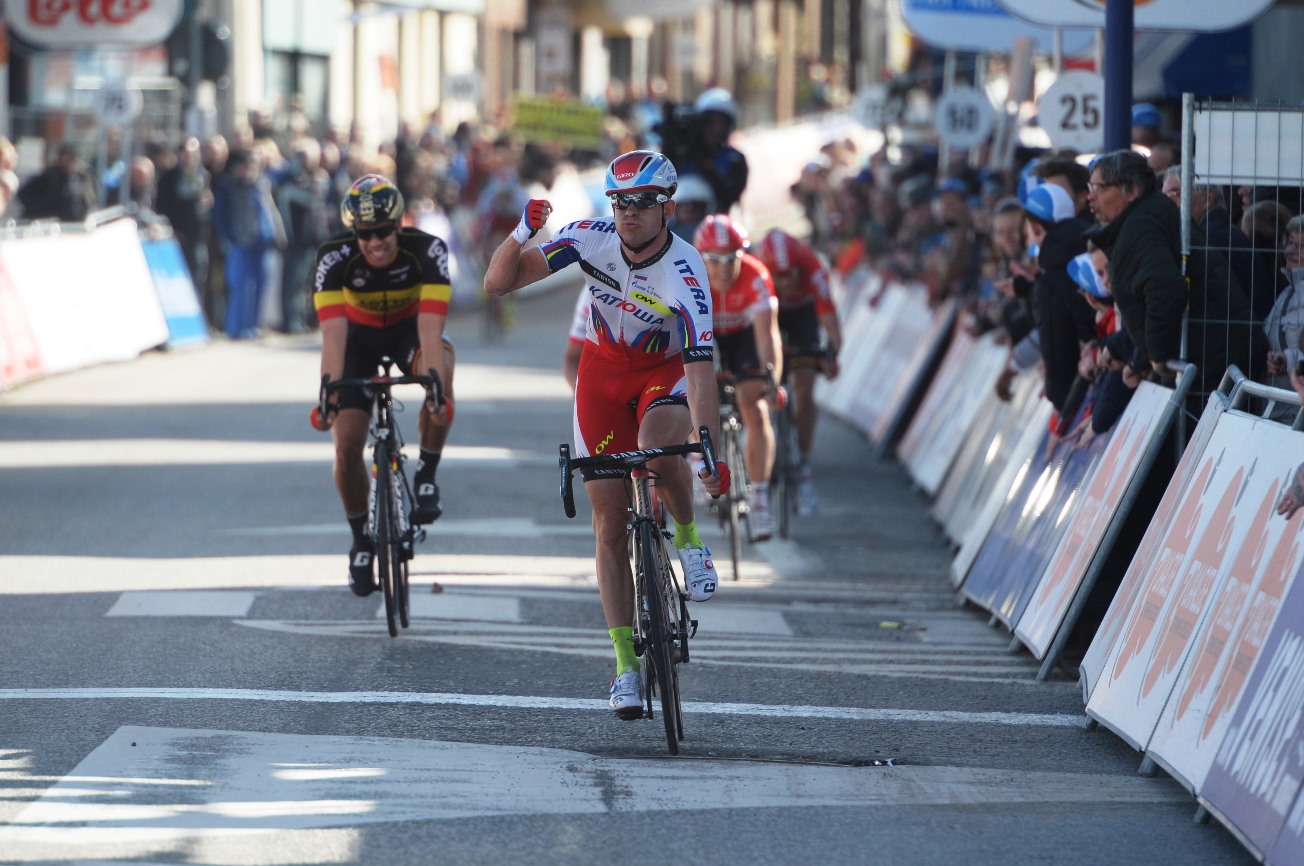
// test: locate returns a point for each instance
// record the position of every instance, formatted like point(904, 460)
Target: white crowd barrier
point(939, 429)
point(1199, 660)
point(893, 338)
point(72, 299)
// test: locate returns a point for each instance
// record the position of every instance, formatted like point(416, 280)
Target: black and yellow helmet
point(372, 200)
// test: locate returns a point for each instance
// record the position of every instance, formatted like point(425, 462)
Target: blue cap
point(1027, 185)
point(1050, 203)
point(955, 185)
point(1083, 272)
point(1145, 114)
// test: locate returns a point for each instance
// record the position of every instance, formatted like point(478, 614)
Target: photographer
point(698, 144)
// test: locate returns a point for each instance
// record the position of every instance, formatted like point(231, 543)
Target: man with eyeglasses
point(1141, 234)
point(747, 335)
point(645, 376)
point(381, 290)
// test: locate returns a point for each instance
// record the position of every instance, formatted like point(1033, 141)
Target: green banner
point(547, 120)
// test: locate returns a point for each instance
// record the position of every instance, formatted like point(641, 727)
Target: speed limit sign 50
point(964, 117)
point(1072, 111)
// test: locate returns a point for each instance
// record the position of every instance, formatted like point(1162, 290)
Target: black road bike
point(390, 502)
point(731, 509)
point(661, 624)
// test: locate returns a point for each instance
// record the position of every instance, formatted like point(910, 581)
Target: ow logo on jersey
point(644, 298)
point(632, 308)
point(602, 446)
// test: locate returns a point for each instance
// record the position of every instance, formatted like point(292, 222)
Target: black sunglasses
point(380, 232)
point(642, 201)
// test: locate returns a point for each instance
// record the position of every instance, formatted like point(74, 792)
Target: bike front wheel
point(388, 555)
point(659, 648)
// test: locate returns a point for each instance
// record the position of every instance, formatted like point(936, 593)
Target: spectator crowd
point(1073, 261)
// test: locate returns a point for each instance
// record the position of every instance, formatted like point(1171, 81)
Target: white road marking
point(462, 606)
point(510, 527)
point(183, 603)
point(775, 711)
point(73, 574)
point(204, 452)
point(255, 788)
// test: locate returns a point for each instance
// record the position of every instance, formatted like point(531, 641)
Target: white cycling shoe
point(627, 695)
point(762, 522)
point(808, 501)
point(699, 572)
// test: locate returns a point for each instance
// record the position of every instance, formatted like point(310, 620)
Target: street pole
point(1118, 74)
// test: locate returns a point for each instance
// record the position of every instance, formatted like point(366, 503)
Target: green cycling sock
point(622, 638)
point(686, 535)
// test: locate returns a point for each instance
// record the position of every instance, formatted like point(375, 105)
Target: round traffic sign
point(1072, 111)
point(117, 103)
point(964, 117)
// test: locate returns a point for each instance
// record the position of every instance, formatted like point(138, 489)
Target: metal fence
point(1242, 199)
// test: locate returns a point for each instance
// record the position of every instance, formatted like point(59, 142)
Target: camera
point(679, 133)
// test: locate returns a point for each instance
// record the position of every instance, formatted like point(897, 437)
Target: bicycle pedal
point(692, 628)
point(418, 534)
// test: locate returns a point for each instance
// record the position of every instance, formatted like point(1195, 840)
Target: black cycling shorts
point(738, 355)
point(364, 349)
point(800, 331)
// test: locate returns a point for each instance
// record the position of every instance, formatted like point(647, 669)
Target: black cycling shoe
point(428, 508)
point(362, 572)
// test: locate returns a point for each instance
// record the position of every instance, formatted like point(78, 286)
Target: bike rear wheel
point(737, 495)
point(659, 646)
point(781, 478)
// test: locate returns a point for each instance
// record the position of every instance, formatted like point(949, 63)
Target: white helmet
point(694, 188)
point(717, 99)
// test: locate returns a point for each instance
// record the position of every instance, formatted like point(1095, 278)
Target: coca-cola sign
point(92, 23)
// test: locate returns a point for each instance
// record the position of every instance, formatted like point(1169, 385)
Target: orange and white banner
point(1093, 663)
point(1244, 463)
point(1098, 506)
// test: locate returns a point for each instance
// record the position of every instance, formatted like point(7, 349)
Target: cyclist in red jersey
point(645, 376)
point(381, 290)
point(747, 335)
point(801, 283)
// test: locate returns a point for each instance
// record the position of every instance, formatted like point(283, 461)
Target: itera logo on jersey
point(690, 280)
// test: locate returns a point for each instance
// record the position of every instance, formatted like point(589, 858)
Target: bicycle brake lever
point(567, 494)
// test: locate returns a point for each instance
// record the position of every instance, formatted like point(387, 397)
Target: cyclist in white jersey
point(645, 377)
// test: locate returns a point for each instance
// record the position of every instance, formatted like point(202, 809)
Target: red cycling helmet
point(720, 233)
point(777, 251)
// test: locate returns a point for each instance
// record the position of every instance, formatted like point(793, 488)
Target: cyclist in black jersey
point(381, 290)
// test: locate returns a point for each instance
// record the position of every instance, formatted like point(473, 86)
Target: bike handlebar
point(431, 382)
point(630, 460)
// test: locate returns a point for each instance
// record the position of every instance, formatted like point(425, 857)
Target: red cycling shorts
point(612, 397)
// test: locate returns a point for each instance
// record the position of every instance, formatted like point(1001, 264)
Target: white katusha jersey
point(642, 313)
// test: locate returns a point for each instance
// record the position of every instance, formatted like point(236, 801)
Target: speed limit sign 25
point(1071, 111)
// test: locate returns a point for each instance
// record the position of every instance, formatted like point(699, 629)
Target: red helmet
point(720, 233)
point(777, 251)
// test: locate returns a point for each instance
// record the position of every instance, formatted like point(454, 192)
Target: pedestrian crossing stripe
point(240, 796)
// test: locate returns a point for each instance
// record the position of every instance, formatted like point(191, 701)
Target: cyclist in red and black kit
point(747, 336)
point(806, 308)
point(381, 290)
point(645, 377)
